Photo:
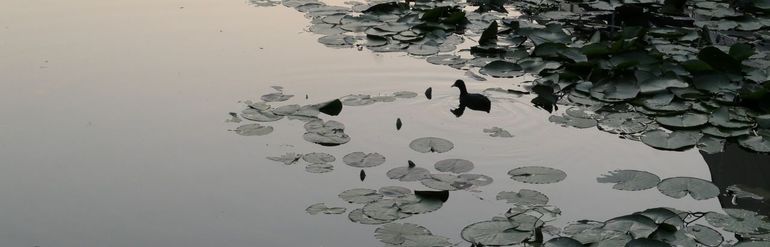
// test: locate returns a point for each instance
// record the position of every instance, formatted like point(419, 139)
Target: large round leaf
point(537, 175)
point(698, 189)
point(253, 130)
point(494, 233)
point(361, 159)
point(431, 144)
point(360, 195)
point(631, 180)
point(454, 166)
point(394, 233)
point(677, 140)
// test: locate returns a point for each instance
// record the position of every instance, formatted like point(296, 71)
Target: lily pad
point(676, 140)
point(563, 242)
point(638, 226)
point(739, 221)
point(395, 233)
point(445, 182)
point(686, 120)
point(260, 115)
point(524, 196)
point(318, 158)
point(494, 233)
point(426, 241)
point(624, 123)
point(631, 180)
point(408, 174)
point(498, 132)
point(454, 165)
point(537, 175)
point(330, 133)
point(698, 189)
point(362, 160)
point(431, 144)
point(502, 69)
point(394, 191)
point(756, 143)
point(253, 130)
point(322, 208)
point(360, 196)
point(358, 216)
point(287, 159)
point(319, 168)
point(275, 97)
point(705, 235)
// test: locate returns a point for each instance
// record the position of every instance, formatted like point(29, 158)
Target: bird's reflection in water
point(748, 171)
point(473, 101)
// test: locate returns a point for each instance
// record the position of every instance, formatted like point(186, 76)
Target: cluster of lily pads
point(681, 73)
point(676, 187)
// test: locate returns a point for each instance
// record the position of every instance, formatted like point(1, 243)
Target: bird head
point(458, 83)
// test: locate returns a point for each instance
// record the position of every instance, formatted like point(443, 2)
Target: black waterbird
point(474, 101)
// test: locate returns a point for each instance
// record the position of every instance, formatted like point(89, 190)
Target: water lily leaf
point(756, 143)
point(698, 189)
point(676, 140)
point(286, 110)
point(630, 180)
point(426, 241)
point(739, 221)
point(454, 165)
point(624, 123)
point(260, 115)
point(537, 175)
point(419, 205)
point(711, 145)
point(319, 168)
point(253, 130)
point(322, 208)
point(563, 242)
point(445, 182)
point(287, 159)
point(705, 235)
point(725, 118)
point(494, 233)
point(330, 133)
point(616, 91)
point(567, 120)
point(357, 100)
point(498, 132)
point(502, 69)
point(686, 120)
point(431, 144)
point(660, 84)
point(718, 59)
point(360, 196)
point(275, 97)
point(665, 216)
point(407, 174)
point(358, 216)
point(318, 158)
point(395, 233)
point(524, 197)
point(361, 159)
point(395, 191)
point(422, 49)
point(753, 244)
point(386, 209)
point(446, 59)
point(638, 226)
point(476, 179)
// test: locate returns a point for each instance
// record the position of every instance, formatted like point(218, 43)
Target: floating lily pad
point(646, 242)
point(705, 235)
point(739, 221)
point(419, 205)
point(665, 216)
point(405, 94)
point(698, 189)
point(476, 179)
point(563, 242)
point(631, 180)
point(358, 216)
point(431, 144)
point(686, 120)
point(580, 123)
point(502, 69)
point(676, 140)
point(386, 209)
point(445, 182)
point(330, 133)
point(498, 132)
point(253, 130)
point(446, 59)
point(638, 226)
point(322, 208)
point(395, 191)
point(408, 174)
point(756, 143)
point(524, 196)
point(422, 49)
point(286, 110)
point(454, 165)
point(361, 196)
point(711, 145)
point(624, 123)
point(319, 168)
point(287, 159)
point(494, 233)
point(395, 233)
point(318, 158)
point(275, 97)
point(426, 241)
point(362, 160)
point(537, 175)
point(260, 115)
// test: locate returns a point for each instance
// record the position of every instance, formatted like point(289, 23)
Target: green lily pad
point(638, 226)
point(318, 158)
point(253, 130)
point(408, 174)
point(646, 242)
point(502, 69)
point(426, 241)
point(698, 189)
point(498, 132)
point(630, 180)
point(445, 182)
point(319, 168)
point(454, 165)
point(322, 208)
point(362, 160)
point(711, 145)
point(739, 221)
point(537, 175)
point(524, 196)
point(676, 140)
point(287, 159)
point(563, 242)
point(395, 233)
point(431, 144)
point(394, 191)
point(624, 123)
point(360, 196)
point(686, 120)
point(286, 110)
point(358, 216)
point(260, 115)
point(756, 143)
point(494, 233)
point(705, 235)
point(276, 97)
point(330, 133)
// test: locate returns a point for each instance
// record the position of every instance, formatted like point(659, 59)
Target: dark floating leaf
point(395, 191)
point(431, 144)
point(322, 208)
point(363, 160)
point(631, 180)
point(410, 163)
point(398, 124)
point(739, 221)
point(429, 93)
point(332, 108)
point(646, 242)
point(358, 216)
point(362, 175)
point(638, 226)
point(537, 175)
point(697, 188)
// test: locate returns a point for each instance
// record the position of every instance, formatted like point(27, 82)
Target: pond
point(126, 123)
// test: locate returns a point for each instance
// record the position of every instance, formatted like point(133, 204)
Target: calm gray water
point(112, 132)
